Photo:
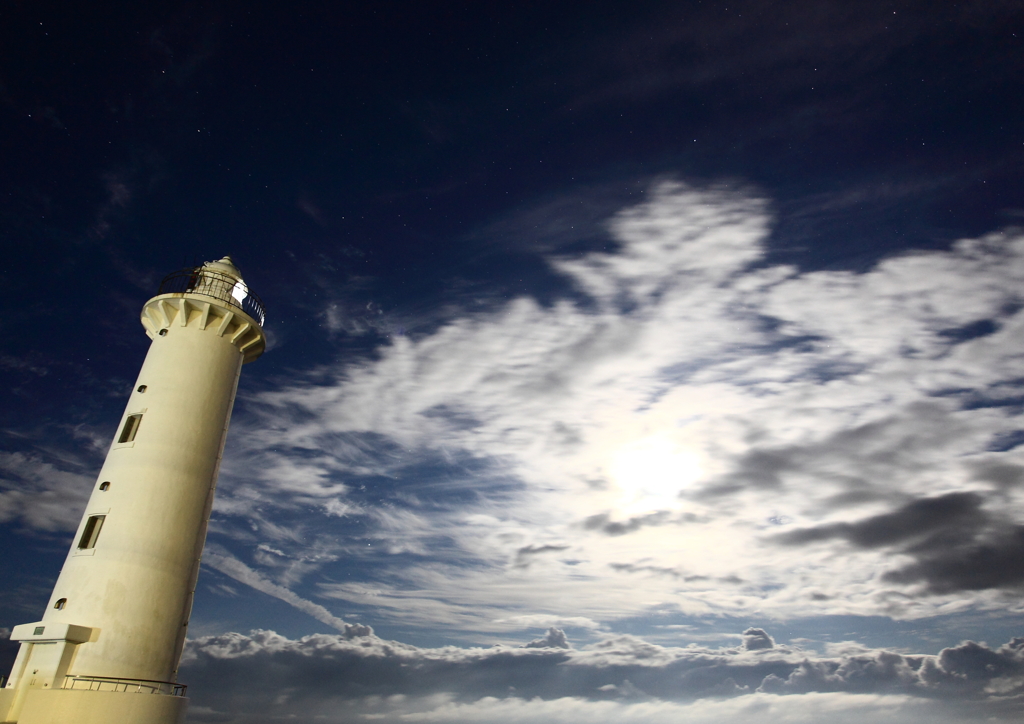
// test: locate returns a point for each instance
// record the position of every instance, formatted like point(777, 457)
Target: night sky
point(626, 361)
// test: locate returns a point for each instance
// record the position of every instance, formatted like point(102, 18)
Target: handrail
point(112, 683)
point(217, 285)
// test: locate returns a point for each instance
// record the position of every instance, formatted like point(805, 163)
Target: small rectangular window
point(131, 427)
point(91, 532)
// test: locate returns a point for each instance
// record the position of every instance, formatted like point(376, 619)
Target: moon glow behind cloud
point(651, 471)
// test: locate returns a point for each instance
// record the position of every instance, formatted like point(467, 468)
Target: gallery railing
point(217, 285)
point(108, 683)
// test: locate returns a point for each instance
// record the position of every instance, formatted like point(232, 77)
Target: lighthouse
point(108, 644)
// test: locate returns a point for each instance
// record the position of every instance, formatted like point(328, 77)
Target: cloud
point(989, 561)
point(913, 521)
point(686, 409)
point(958, 546)
point(554, 639)
point(841, 709)
point(234, 568)
point(602, 522)
point(755, 639)
point(647, 441)
point(23, 364)
point(119, 192)
point(263, 675)
point(311, 210)
point(540, 620)
point(526, 553)
point(39, 495)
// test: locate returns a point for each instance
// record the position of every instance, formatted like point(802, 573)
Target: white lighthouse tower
point(107, 647)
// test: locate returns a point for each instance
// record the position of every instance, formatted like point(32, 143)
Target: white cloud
point(623, 678)
point(542, 621)
point(230, 566)
point(39, 495)
point(811, 708)
point(644, 449)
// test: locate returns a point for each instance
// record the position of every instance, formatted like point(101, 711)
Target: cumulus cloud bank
point(262, 676)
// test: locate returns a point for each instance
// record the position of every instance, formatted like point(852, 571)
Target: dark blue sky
point(564, 301)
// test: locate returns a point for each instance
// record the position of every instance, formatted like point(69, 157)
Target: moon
point(650, 472)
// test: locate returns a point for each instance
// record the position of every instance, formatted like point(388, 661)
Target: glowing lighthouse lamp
point(107, 648)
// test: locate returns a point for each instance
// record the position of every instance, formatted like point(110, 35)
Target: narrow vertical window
point(60, 604)
point(104, 486)
point(91, 532)
point(131, 426)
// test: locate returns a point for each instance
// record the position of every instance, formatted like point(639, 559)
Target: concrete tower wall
point(135, 585)
point(111, 637)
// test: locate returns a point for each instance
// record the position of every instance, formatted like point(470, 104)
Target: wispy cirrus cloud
point(37, 494)
point(236, 569)
point(686, 407)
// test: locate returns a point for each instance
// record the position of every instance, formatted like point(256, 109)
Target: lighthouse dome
point(224, 266)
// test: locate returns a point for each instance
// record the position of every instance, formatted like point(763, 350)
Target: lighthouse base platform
point(70, 706)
